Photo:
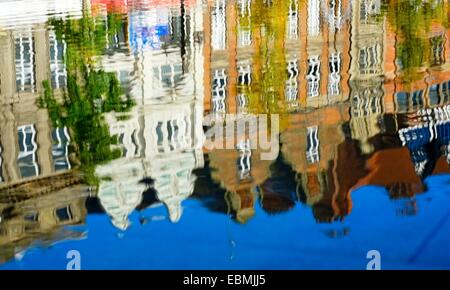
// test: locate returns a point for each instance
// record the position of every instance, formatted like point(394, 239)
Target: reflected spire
point(121, 189)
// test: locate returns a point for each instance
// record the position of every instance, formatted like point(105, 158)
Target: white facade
point(20, 13)
point(162, 72)
point(163, 139)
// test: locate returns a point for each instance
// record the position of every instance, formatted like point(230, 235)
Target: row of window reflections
point(313, 77)
point(61, 215)
point(334, 14)
point(169, 75)
point(27, 160)
point(369, 61)
point(170, 135)
point(25, 62)
point(437, 94)
point(369, 101)
point(369, 57)
point(245, 153)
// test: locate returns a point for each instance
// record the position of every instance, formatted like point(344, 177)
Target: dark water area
point(213, 134)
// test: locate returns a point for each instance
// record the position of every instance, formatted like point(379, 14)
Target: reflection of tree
point(412, 21)
point(268, 25)
point(89, 93)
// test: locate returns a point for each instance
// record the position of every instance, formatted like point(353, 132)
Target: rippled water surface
point(214, 134)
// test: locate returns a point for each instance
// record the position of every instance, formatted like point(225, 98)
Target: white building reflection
point(30, 54)
point(26, 13)
point(163, 138)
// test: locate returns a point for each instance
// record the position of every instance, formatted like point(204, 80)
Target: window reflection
point(313, 17)
point(334, 77)
point(292, 26)
point(437, 50)
point(57, 65)
point(25, 63)
point(219, 93)
point(370, 59)
point(218, 23)
point(312, 151)
point(292, 82)
point(27, 159)
point(313, 76)
point(60, 149)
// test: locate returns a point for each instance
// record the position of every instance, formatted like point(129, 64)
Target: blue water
point(292, 240)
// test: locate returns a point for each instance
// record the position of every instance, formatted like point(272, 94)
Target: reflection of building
point(316, 72)
point(367, 70)
point(346, 56)
point(326, 165)
point(239, 172)
point(377, 81)
point(317, 144)
point(339, 67)
point(278, 193)
point(429, 84)
point(26, 13)
point(340, 62)
point(162, 140)
point(429, 140)
point(30, 55)
point(317, 76)
point(34, 212)
point(230, 47)
point(122, 191)
point(164, 38)
point(325, 57)
point(330, 166)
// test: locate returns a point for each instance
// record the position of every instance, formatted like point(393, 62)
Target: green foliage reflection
point(413, 21)
point(90, 92)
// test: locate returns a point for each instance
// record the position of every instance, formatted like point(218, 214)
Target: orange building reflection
point(344, 90)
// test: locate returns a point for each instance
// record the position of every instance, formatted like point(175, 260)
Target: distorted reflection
point(104, 106)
